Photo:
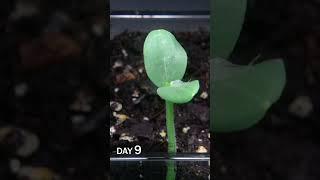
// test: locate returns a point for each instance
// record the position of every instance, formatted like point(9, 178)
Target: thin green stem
point(170, 128)
point(171, 133)
point(171, 170)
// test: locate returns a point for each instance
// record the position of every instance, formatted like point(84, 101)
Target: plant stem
point(170, 128)
point(171, 133)
point(171, 170)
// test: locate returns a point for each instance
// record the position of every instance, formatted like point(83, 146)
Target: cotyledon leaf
point(242, 94)
point(227, 17)
point(178, 91)
point(164, 58)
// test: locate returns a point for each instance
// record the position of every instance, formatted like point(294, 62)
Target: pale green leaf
point(242, 94)
point(164, 58)
point(178, 91)
point(227, 17)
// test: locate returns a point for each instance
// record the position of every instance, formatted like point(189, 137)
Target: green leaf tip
point(227, 18)
point(178, 91)
point(165, 62)
point(243, 94)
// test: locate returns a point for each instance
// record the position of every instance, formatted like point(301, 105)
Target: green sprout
point(165, 62)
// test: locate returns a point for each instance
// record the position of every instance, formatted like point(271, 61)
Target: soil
point(144, 108)
point(282, 145)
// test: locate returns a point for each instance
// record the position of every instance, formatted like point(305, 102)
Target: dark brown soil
point(145, 109)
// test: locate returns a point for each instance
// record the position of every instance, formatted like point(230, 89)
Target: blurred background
point(53, 88)
point(285, 144)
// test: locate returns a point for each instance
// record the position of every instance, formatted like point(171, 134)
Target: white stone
point(301, 106)
point(117, 64)
point(141, 70)
point(135, 93)
point(124, 52)
point(185, 130)
point(126, 137)
point(201, 149)
point(204, 95)
point(112, 130)
point(116, 106)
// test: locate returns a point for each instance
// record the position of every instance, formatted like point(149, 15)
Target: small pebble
point(200, 140)
point(301, 106)
point(120, 117)
point(117, 64)
point(124, 52)
point(135, 93)
point(185, 130)
point(126, 137)
point(138, 100)
point(201, 149)
point(115, 106)
point(204, 95)
point(209, 135)
point(202, 131)
point(140, 176)
point(146, 118)
point(112, 130)
point(140, 70)
point(163, 133)
point(21, 89)
point(116, 90)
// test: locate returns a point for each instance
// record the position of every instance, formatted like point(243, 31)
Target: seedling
point(165, 62)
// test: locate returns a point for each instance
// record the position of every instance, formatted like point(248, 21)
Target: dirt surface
point(285, 144)
point(142, 116)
